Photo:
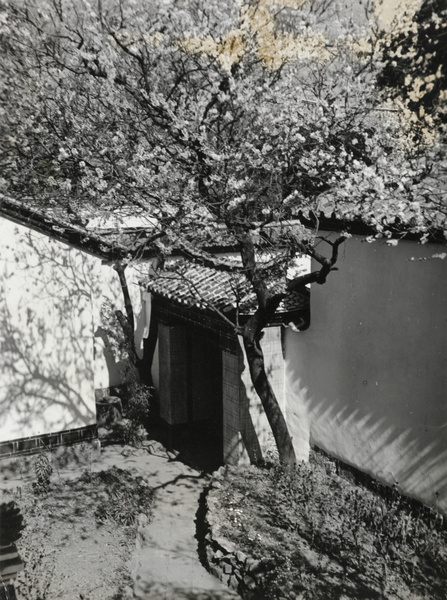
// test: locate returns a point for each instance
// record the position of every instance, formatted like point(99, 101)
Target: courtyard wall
point(57, 345)
point(46, 335)
point(367, 382)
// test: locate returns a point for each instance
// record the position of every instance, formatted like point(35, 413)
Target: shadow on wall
point(114, 348)
point(248, 437)
point(114, 357)
point(368, 378)
point(46, 337)
point(412, 458)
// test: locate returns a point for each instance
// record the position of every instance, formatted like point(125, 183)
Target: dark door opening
point(205, 407)
point(190, 415)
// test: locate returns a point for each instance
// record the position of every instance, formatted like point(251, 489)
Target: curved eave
point(334, 222)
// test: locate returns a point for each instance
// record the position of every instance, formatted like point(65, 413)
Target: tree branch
point(120, 269)
point(327, 265)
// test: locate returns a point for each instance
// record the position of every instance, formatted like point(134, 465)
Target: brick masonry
point(33, 444)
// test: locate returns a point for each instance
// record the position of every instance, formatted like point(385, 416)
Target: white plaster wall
point(368, 380)
point(46, 334)
point(55, 348)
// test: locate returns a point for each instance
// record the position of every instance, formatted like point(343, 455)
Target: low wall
point(237, 570)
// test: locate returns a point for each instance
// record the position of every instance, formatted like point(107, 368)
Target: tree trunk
point(150, 344)
point(127, 322)
point(120, 269)
point(273, 412)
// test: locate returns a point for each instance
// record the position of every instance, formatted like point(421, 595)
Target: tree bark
point(252, 332)
point(120, 269)
point(128, 322)
point(273, 412)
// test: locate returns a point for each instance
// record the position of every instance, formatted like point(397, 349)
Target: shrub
point(43, 470)
point(323, 534)
point(131, 432)
point(137, 401)
point(138, 405)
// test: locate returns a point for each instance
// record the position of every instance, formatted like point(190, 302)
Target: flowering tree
point(414, 75)
point(222, 120)
point(415, 56)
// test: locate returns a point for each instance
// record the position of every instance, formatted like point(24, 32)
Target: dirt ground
point(66, 553)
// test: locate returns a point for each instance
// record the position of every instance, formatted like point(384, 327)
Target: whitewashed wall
point(368, 380)
point(55, 350)
point(46, 360)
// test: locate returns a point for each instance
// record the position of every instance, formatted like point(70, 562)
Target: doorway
point(191, 406)
point(205, 407)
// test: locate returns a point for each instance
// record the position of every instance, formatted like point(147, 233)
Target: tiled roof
point(195, 285)
point(110, 244)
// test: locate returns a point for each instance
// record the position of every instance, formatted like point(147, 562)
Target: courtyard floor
point(164, 562)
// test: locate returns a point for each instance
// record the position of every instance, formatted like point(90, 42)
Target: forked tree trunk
point(127, 321)
point(252, 331)
point(255, 358)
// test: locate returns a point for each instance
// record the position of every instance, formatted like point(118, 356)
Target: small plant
point(132, 429)
point(131, 433)
point(138, 406)
point(127, 498)
point(43, 470)
point(118, 508)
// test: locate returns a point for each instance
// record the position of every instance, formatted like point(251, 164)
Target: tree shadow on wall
point(248, 433)
point(46, 363)
point(413, 457)
point(116, 355)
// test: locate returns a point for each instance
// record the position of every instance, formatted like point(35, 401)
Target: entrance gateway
point(204, 387)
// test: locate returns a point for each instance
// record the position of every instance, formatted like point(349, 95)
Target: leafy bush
point(137, 401)
point(43, 470)
point(138, 405)
point(131, 432)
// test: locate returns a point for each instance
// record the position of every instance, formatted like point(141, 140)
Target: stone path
point(166, 564)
